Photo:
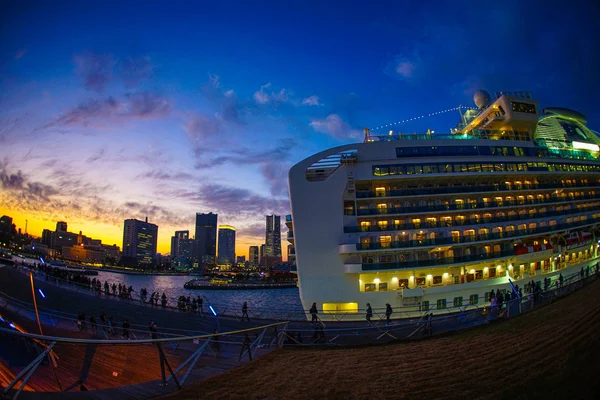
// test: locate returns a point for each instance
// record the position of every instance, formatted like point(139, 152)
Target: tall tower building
point(139, 240)
point(262, 255)
point(226, 245)
point(206, 238)
point(176, 240)
point(273, 236)
point(253, 256)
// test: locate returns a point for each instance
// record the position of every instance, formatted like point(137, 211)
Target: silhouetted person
point(560, 280)
point(153, 330)
point(388, 313)
point(369, 314)
point(245, 311)
point(93, 323)
point(313, 313)
point(125, 329)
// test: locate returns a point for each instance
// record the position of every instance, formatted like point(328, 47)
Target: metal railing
point(52, 363)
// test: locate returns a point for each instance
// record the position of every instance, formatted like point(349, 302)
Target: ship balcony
point(367, 194)
point(350, 248)
point(480, 206)
point(288, 222)
point(440, 262)
point(463, 223)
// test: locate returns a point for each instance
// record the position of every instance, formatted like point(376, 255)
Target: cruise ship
point(433, 222)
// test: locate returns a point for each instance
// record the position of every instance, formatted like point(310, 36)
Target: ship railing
point(367, 194)
point(56, 364)
point(467, 222)
point(520, 94)
point(399, 244)
point(473, 134)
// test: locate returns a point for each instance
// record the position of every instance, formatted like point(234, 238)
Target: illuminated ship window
point(323, 168)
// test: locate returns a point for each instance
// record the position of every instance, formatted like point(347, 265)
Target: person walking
point(93, 323)
point(200, 304)
point(125, 329)
point(369, 314)
point(153, 330)
point(81, 321)
point(388, 313)
point(111, 329)
point(313, 313)
point(245, 312)
point(560, 280)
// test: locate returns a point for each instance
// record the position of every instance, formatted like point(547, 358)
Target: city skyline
point(115, 112)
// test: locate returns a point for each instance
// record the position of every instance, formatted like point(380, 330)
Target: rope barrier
point(423, 116)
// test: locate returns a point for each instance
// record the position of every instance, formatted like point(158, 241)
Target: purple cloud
point(335, 127)
point(135, 69)
point(142, 105)
point(20, 54)
point(312, 101)
point(265, 95)
point(405, 68)
point(147, 105)
point(95, 70)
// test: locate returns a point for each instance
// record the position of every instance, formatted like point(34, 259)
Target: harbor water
point(268, 301)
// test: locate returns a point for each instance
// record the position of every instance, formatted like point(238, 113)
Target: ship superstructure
point(433, 221)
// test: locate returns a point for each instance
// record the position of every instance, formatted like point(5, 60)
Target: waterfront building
point(61, 226)
point(273, 236)
point(433, 221)
point(6, 224)
point(206, 238)
point(226, 245)
point(85, 254)
point(139, 241)
point(253, 256)
point(179, 235)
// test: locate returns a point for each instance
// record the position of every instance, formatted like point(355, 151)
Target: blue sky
point(114, 110)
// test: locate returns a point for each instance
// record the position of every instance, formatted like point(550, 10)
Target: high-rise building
point(253, 256)
point(273, 236)
point(175, 241)
point(206, 238)
point(262, 254)
point(6, 224)
point(139, 240)
point(61, 226)
point(186, 248)
point(226, 245)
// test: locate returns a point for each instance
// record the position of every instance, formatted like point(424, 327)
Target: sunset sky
point(129, 109)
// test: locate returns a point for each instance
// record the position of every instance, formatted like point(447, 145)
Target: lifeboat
point(520, 250)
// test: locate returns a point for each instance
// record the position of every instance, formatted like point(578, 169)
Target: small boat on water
point(71, 268)
point(225, 284)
